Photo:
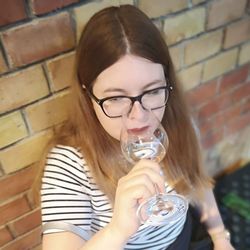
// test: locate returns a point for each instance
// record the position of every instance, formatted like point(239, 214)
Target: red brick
point(12, 11)
point(219, 120)
point(214, 106)
point(242, 92)
point(25, 242)
point(206, 126)
point(44, 6)
point(13, 209)
point(27, 223)
point(237, 33)
point(5, 236)
point(202, 94)
point(233, 78)
point(226, 116)
point(39, 39)
point(238, 124)
point(246, 106)
point(212, 138)
point(17, 182)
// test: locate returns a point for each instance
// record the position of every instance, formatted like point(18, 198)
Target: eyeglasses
point(115, 106)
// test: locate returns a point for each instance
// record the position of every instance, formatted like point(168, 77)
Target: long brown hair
point(110, 34)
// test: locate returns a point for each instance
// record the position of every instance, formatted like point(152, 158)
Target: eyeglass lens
point(154, 99)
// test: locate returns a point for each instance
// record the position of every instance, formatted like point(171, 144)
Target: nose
point(137, 112)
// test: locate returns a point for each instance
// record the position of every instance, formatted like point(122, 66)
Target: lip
point(138, 130)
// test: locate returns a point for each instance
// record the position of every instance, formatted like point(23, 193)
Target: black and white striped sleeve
point(65, 193)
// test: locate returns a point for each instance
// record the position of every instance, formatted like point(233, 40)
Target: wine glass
point(148, 139)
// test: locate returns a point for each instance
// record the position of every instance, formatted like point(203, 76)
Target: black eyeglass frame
point(132, 98)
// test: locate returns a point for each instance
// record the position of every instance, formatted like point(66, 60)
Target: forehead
point(129, 73)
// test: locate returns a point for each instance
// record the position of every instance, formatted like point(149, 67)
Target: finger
point(136, 179)
point(147, 163)
point(136, 193)
point(149, 173)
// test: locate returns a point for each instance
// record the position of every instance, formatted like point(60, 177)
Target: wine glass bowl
point(149, 140)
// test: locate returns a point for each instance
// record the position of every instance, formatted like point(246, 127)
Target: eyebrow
point(150, 84)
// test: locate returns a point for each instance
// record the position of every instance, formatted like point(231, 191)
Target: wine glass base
point(162, 209)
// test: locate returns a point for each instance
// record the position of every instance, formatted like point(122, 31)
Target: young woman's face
point(130, 76)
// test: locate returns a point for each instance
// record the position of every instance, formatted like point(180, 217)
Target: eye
point(155, 92)
point(115, 99)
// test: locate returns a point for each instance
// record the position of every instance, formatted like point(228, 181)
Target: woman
point(89, 193)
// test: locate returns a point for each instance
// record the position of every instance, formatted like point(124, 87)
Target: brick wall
point(210, 45)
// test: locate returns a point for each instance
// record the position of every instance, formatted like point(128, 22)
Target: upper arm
point(62, 241)
point(65, 199)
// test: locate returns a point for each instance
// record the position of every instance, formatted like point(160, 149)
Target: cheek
point(159, 113)
point(111, 125)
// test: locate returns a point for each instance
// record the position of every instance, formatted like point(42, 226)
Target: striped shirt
point(72, 201)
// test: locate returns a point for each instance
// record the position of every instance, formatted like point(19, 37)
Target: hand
point(222, 244)
point(132, 189)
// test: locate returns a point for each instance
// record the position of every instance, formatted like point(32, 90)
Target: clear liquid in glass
point(138, 150)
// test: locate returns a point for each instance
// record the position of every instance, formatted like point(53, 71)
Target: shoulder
point(66, 151)
point(68, 161)
point(67, 155)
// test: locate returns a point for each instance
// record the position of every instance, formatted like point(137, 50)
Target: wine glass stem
point(157, 191)
point(158, 196)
